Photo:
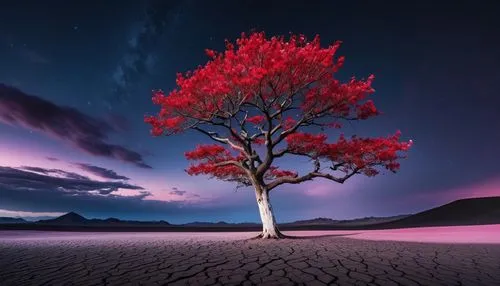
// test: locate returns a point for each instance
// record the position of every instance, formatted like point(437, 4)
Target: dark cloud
point(27, 191)
point(85, 132)
point(177, 192)
point(52, 159)
point(138, 61)
point(25, 178)
point(101, 172)
point(66, 174)
point(118, 121)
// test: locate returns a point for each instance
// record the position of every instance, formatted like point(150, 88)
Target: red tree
point(256, 98)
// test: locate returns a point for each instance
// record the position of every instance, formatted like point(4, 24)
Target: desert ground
point(468, 255)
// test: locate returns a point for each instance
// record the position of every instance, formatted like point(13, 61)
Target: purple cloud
point(177, 192)
point(44, 171)
point(119, 122)
point(28, 191)
point(84, 132)
point(101, 172)
point(35, 178)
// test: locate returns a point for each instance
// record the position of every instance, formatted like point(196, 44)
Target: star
point(75, 28)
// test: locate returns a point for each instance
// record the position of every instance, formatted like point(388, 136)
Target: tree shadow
point(319, 236)
point(294, 237)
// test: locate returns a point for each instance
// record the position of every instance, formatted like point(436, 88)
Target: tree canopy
point(260, 100)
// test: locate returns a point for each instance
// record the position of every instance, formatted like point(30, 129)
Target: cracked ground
point(232, 259)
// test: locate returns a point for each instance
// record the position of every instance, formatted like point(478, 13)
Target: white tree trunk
point(269, 227)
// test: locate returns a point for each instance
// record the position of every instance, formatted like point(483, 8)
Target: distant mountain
point(353, 222)
point(372, 220)
point(70, 218)
point(472, 211)
point(75, 219)
point(319, 220)
point(112, 220)
point(12, 220)
point(460, 212)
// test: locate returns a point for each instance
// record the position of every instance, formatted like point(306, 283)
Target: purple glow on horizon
point(478, 234)
point(488, 188)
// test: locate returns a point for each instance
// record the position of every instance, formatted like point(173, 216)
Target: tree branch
point(214, 136)
point(308, 177)
point(264, 166)
point(229, 162)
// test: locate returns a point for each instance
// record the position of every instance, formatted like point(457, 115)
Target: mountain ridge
point(471, 211)
point(73, 218)
point(5, 219)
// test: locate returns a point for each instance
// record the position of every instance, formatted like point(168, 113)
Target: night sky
point(76, 80)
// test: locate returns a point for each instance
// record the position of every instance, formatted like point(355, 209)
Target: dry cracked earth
point(232, 259)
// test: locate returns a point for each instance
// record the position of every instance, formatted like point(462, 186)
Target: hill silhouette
point(12, 220)
point(472, 211)
point(70, 218)
point(461, 212)
point(356, 221)
point(75, 219)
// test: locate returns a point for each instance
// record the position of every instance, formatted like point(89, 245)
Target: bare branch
point(214, 136)
point(230, 162)
point(264, 166)
point(308, 177)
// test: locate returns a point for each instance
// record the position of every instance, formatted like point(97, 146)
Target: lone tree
point(256, 99)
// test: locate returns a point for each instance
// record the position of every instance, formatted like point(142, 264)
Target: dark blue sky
point(76, 80)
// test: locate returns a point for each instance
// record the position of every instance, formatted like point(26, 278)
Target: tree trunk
point(269, 227)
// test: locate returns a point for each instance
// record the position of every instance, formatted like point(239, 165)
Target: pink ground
point(450, 234)
point(444, 234)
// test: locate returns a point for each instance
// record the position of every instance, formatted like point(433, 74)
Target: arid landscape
point(454, 244)
point(468, 255)
point(180, 142)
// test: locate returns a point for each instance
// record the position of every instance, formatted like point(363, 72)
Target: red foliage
point(366, 110)
point(286, 66)
point(257, 119)
point(209, 159)
point(365, 153)
point(289, 123)
point(357, 154)
point(259, 141)
point(275, 77)
point(307, 144)
point(274, 172)
point(207, 152)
